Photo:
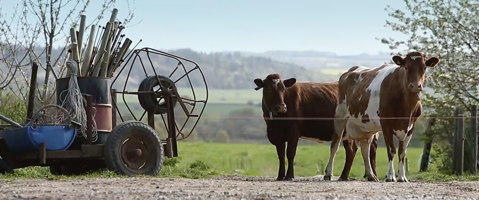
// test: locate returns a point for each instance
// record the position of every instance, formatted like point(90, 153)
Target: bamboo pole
point(74, 45)
point(88, 52)
point(114, 13)
point(80, 34)
point(101, 51)
point(119, 57)
point(105, 59)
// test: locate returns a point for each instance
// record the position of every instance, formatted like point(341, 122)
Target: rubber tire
point(4, 168)
point(149, 101)
point(126, 132)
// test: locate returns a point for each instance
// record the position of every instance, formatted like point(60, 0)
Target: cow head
point(273, 92)
point(415, 64)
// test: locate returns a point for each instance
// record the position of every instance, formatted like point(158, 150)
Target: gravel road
point(230, 187)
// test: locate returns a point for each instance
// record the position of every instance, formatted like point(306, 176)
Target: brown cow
point(381, 99)
point(301, 110)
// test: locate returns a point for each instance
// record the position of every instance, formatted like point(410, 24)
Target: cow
point(294, 110)
point(383, 99)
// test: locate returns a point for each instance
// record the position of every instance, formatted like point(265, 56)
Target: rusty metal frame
point(140, 58)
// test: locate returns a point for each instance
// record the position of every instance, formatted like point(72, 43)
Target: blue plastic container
point(28, 139)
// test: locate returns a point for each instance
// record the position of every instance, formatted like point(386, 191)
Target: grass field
point(261, 159)
point(200, 160)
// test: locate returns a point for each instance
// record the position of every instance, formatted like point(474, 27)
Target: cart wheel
point(134, 148)
point(4, 168)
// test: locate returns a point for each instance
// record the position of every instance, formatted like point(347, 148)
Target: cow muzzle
point(415, 87)
point(281, 108)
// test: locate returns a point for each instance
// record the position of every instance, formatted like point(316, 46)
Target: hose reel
point(156, 77)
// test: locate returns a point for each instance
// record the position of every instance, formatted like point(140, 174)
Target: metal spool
point(154, 76)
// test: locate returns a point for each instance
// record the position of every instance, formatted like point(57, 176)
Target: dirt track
point(231, 187)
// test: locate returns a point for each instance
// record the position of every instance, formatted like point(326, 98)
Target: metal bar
point(171, 140)
point(31, 94)
point(151, 119)
point(15, 124)
point(42, 153)
point(89, 118)
point(114, 107)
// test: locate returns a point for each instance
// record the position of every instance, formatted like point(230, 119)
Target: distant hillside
point(327, 60)
point(234, 70)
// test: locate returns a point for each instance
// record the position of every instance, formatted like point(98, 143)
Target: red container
point(103, 117)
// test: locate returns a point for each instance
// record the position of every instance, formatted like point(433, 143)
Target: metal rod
point(89, 119)
point(15, 124)
point(171, 140)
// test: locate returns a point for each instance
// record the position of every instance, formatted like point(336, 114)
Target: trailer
point(133, 120)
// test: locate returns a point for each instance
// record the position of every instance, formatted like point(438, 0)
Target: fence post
point(458, 160)
point(474, 138)
point(427, 146)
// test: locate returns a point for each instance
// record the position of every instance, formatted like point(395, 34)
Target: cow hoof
point(403, 180)
point(390, 180)
point(343, 179)
point(327, 177)
point(373, 178)
point(280, 178)
point(288, 178)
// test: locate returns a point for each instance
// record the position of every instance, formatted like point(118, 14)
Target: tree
point(31, 32)
point(450, 31)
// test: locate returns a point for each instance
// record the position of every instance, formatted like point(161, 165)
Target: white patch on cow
point(276, 81)
point(381, 75)
point(409, 128)
point(401, 172)
point(391, 175)
point(312, 139)
point(360, 68)
point(355, 127)
point(400, 134)
point(415, 57)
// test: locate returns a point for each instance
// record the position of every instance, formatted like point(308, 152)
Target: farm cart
point(121, 117)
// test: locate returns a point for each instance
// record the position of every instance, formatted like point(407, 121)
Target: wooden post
point(427, 147)
point(473, 139)
point(458, 160)
point(31, 94)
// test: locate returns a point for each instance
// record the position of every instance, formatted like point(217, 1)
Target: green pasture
point(261, 159)
point(224, 96)
point(202, 160)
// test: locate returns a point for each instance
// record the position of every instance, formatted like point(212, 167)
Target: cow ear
point(431, 62)
point(258, 83)
point(289, 82)
point(398, 60)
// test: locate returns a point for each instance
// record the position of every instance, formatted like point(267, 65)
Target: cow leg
point(372, 153)
point(339, 125)
point(290, 153)
point(351, 148)
point(365, 145)
point(280, 150)
point(391, 149)
point(402, 155)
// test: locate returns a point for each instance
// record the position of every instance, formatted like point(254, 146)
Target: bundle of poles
point(100, 58)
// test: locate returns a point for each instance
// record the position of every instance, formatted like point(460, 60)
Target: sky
point(341, 26)
point(344, 27)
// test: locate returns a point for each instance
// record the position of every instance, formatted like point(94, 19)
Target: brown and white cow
point(294, 110)
point(381, 99)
